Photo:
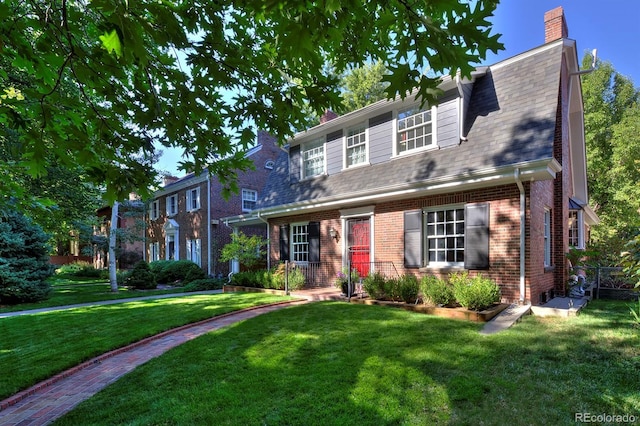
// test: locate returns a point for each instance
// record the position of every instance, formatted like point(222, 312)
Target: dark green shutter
point(413, 239)
point(476, 236)
point(314, 241)
point(284, 242)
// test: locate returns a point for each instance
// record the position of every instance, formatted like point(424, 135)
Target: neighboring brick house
point(491, 180)
point(184, 216)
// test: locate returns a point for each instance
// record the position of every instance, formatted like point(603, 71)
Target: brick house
point(490, 180)
point(183, 219)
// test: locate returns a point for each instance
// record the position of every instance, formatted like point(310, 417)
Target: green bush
point(141, 277)
point(274, 278)
point(248, 279)
point(477, 293)
point(80, 269)
point(24, 260)
point(171, 271)
point(375, 285)
point(436, 291)
point(409, 288)
point(204, 284)
point(296, 279)
point(121, 277)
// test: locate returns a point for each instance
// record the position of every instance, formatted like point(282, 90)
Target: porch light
point(333, 233)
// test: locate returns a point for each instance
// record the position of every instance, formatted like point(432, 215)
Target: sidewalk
point(52, 398)
point(104, 302)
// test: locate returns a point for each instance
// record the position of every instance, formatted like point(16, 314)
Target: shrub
point(296, 279)
point(247, 279)
point(141, 277)
point(204, 284)
point(374, 285)
point(436, 291)
point(80, 269)
point(409, 288)
point(170, 271)
point(24, 260)
point(477, 293)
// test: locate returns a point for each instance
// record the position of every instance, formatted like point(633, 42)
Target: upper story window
point(415, 130)
point(249, 199)
point(172, 205)
point(356, 146)
point(154, 209)
point(193, 199)
point(313, 158)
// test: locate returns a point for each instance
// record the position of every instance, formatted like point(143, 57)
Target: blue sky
point(611, 26)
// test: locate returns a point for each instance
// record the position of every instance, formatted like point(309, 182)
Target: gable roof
point(509, 124)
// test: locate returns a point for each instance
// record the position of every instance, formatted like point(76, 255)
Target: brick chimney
point(168, 180)
point(555, 26)
point(328, 116)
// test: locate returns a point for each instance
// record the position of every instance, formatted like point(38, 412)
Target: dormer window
point(415, 130)
point(356, 146)
point(313, 158)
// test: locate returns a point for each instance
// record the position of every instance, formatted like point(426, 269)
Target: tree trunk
point(112, 247)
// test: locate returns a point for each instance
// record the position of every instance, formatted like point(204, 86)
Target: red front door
point(359, 245)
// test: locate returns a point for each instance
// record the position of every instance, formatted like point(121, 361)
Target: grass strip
point(36, 347)
point(339, 364)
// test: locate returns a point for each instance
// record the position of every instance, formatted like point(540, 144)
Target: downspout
point(522, 235)
point(463, 138)
point(268, 240)
point(209, 257)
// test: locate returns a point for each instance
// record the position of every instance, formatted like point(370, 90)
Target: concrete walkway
point(46, 401)
point(104, 302)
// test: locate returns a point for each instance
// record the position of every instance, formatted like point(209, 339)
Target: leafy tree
point(98, 83)
point(364, 85)
point(248, 250)
point(612, 121)
point(24, 260)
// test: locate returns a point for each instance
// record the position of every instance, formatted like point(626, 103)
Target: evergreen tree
point(24, 260)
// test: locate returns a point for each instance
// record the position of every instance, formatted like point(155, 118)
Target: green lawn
point(71, 291)
point(36, 347)
point(336, 363)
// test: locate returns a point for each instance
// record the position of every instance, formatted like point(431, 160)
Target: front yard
point(338, 363)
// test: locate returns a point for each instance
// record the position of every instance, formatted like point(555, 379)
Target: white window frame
point(444, 235)
point(193, 199)
point(405, 122)
point(576, 226)
point(154, 251)
point(313, 151)
point(154, 209)
point(249, 196)
point(547, 237)
point(172, 236)
point(356, 138)
point(194, 251)
point(170, 204)
point(300, 242)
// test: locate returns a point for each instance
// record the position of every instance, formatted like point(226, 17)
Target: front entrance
point(358, 245)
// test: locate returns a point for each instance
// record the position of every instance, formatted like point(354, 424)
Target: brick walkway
point(49, 400)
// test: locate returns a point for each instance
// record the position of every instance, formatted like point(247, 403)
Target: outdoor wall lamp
point(333, 233)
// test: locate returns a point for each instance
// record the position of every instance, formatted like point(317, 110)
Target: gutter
point(461, 108)
point(522, 235)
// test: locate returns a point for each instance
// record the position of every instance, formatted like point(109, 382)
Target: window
point(447, 236)
point(249, 199)
point(172, 249)
point(356, 146)
point(313, 159)
point(547, 237)
point(194, 253)
point(269, 164)
point(193, 199)
point(154, 251)
point(576, 237)
point(415, 130)
point(172, 205)
point(445, 231)
point(154, 210)
point(299, 243)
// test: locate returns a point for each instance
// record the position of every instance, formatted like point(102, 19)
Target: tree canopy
point(102, 83)
point(612, 125)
